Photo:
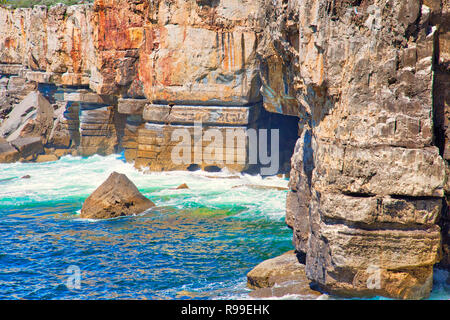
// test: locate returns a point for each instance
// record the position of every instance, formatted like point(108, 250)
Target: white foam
point(76, 177)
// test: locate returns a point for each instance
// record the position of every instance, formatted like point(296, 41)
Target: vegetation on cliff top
point(31, 3)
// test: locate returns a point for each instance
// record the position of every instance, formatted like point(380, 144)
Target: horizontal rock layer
point(367, 79)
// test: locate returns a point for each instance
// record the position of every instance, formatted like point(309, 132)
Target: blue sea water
point(197, 243)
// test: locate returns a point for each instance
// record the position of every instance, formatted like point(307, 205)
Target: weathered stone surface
point(56, 41)
point(46, 158)
point(116, 197)
point(280, 276)
point(195, 54)
point(98, 133)
point(291, 208)
point(397, 263)
point(203, 114)
point(367, 79)
point(28, 147)
point(8, 153)
point(379, 210)
point(132, 106)
point(367, 174)
point(176, 147)
point(200, 52)
point(32, 117)
point(410, 172)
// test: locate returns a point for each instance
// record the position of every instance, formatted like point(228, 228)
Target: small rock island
point(116, 197)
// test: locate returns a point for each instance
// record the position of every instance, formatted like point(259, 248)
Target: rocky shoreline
point(358, 89)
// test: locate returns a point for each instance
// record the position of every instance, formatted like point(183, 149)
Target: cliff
point(363, 86)
point(368, 175)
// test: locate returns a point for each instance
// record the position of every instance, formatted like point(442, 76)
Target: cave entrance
point(287, 127)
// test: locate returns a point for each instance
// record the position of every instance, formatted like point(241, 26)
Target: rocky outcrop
point(31, 117)
point(367, 177)
point(127, 74)
point(281, 276)
point(116, 197)
point(363, 86)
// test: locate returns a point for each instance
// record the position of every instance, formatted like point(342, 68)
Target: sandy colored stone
point(33, 116)
point(115, 197)
point(47, 158)
point(280, 276)
point(28, 147)
point(8, 153)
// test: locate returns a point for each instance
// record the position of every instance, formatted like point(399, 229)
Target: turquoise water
point(196, 244)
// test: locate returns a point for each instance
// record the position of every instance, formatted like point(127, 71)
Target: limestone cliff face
point(368, 81)
point(127, 73)
point(367, 176)
point(50, 45)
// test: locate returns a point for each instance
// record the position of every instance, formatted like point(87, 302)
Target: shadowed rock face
point(367, 178)
point(116, 197)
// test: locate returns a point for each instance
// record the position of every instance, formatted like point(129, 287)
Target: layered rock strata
point(368, 81)
point(116, 197)
point(367, 177)
point(129, 74)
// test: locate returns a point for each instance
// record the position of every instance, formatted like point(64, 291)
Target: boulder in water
point(116, 197)
point(183, 186)
point(280, 276)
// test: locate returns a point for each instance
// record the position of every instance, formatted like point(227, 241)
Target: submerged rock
point(116, 197)
point(280, 276)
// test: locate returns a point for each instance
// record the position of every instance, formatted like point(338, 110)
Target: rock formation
point(367, 177)
point(182, 186)
point(280, 276)
point(126, 75)
point(363, 86)
point(116, 197)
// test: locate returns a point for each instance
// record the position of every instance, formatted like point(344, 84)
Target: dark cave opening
point(287, 127)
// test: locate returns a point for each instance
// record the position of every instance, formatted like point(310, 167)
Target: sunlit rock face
point(364, 83)
point(192, 60)
point(119, 65)
point(177, 51)
point(367, 175)
point(201, 51)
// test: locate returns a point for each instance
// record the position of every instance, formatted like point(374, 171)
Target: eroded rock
point(116, 197)
point(280, 276)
